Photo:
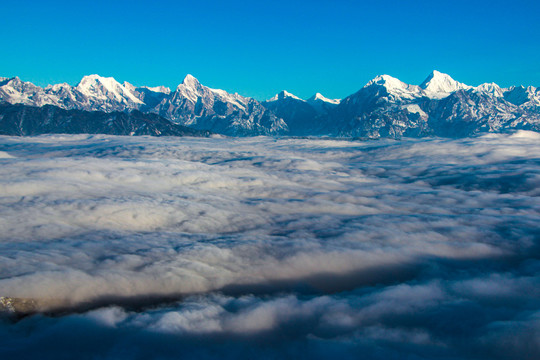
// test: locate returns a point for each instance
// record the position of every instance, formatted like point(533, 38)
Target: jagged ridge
point(385, 106)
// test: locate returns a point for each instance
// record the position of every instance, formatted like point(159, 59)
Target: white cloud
point(362, 243)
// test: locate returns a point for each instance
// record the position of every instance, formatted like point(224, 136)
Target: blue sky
point(257, 48)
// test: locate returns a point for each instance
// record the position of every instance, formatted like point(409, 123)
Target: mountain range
point(384, 107)
point(24, 120)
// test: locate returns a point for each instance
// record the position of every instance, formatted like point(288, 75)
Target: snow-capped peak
point(387, 81)
point(440, 84)
point(14, 81)
point(320, 97)
point(190, 88)
point(8, 81)
point(88, 80)
point(284, 94)
point(490, 88)
point(395, 87)
point(190, 81)
point(519, 95)
point(103, 88)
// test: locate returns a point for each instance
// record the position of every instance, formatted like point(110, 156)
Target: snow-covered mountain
point(303, 117)
point(106, 94)
point(299, 115)
point(525, 97)
point(439, 85)
point(322, 104)
point(284, 94)
point(440, 106)
point(191, 104)
point(384, 107)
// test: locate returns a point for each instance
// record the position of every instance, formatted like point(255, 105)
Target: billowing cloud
point(302, 247)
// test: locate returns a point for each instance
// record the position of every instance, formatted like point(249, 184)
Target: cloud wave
point(302, 247)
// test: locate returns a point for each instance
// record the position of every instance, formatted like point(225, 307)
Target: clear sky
point(257, 48)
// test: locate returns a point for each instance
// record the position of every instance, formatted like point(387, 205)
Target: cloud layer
point(274, 247)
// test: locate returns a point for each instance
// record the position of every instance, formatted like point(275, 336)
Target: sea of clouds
point(138, 248)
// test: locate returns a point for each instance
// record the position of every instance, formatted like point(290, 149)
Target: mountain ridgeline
point(384, 107)
point(24, 120)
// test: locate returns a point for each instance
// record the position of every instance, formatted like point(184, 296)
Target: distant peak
point(384, 77)
point(88, 80)
point(436, 76)
point(98, 86)
point(14, 79)
point(190, 81)
point(523, 88)
point(283, 95)
point(320, 97)
point(438, 82)
point(387, 81)
point(93, 77)
point(490, 88)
